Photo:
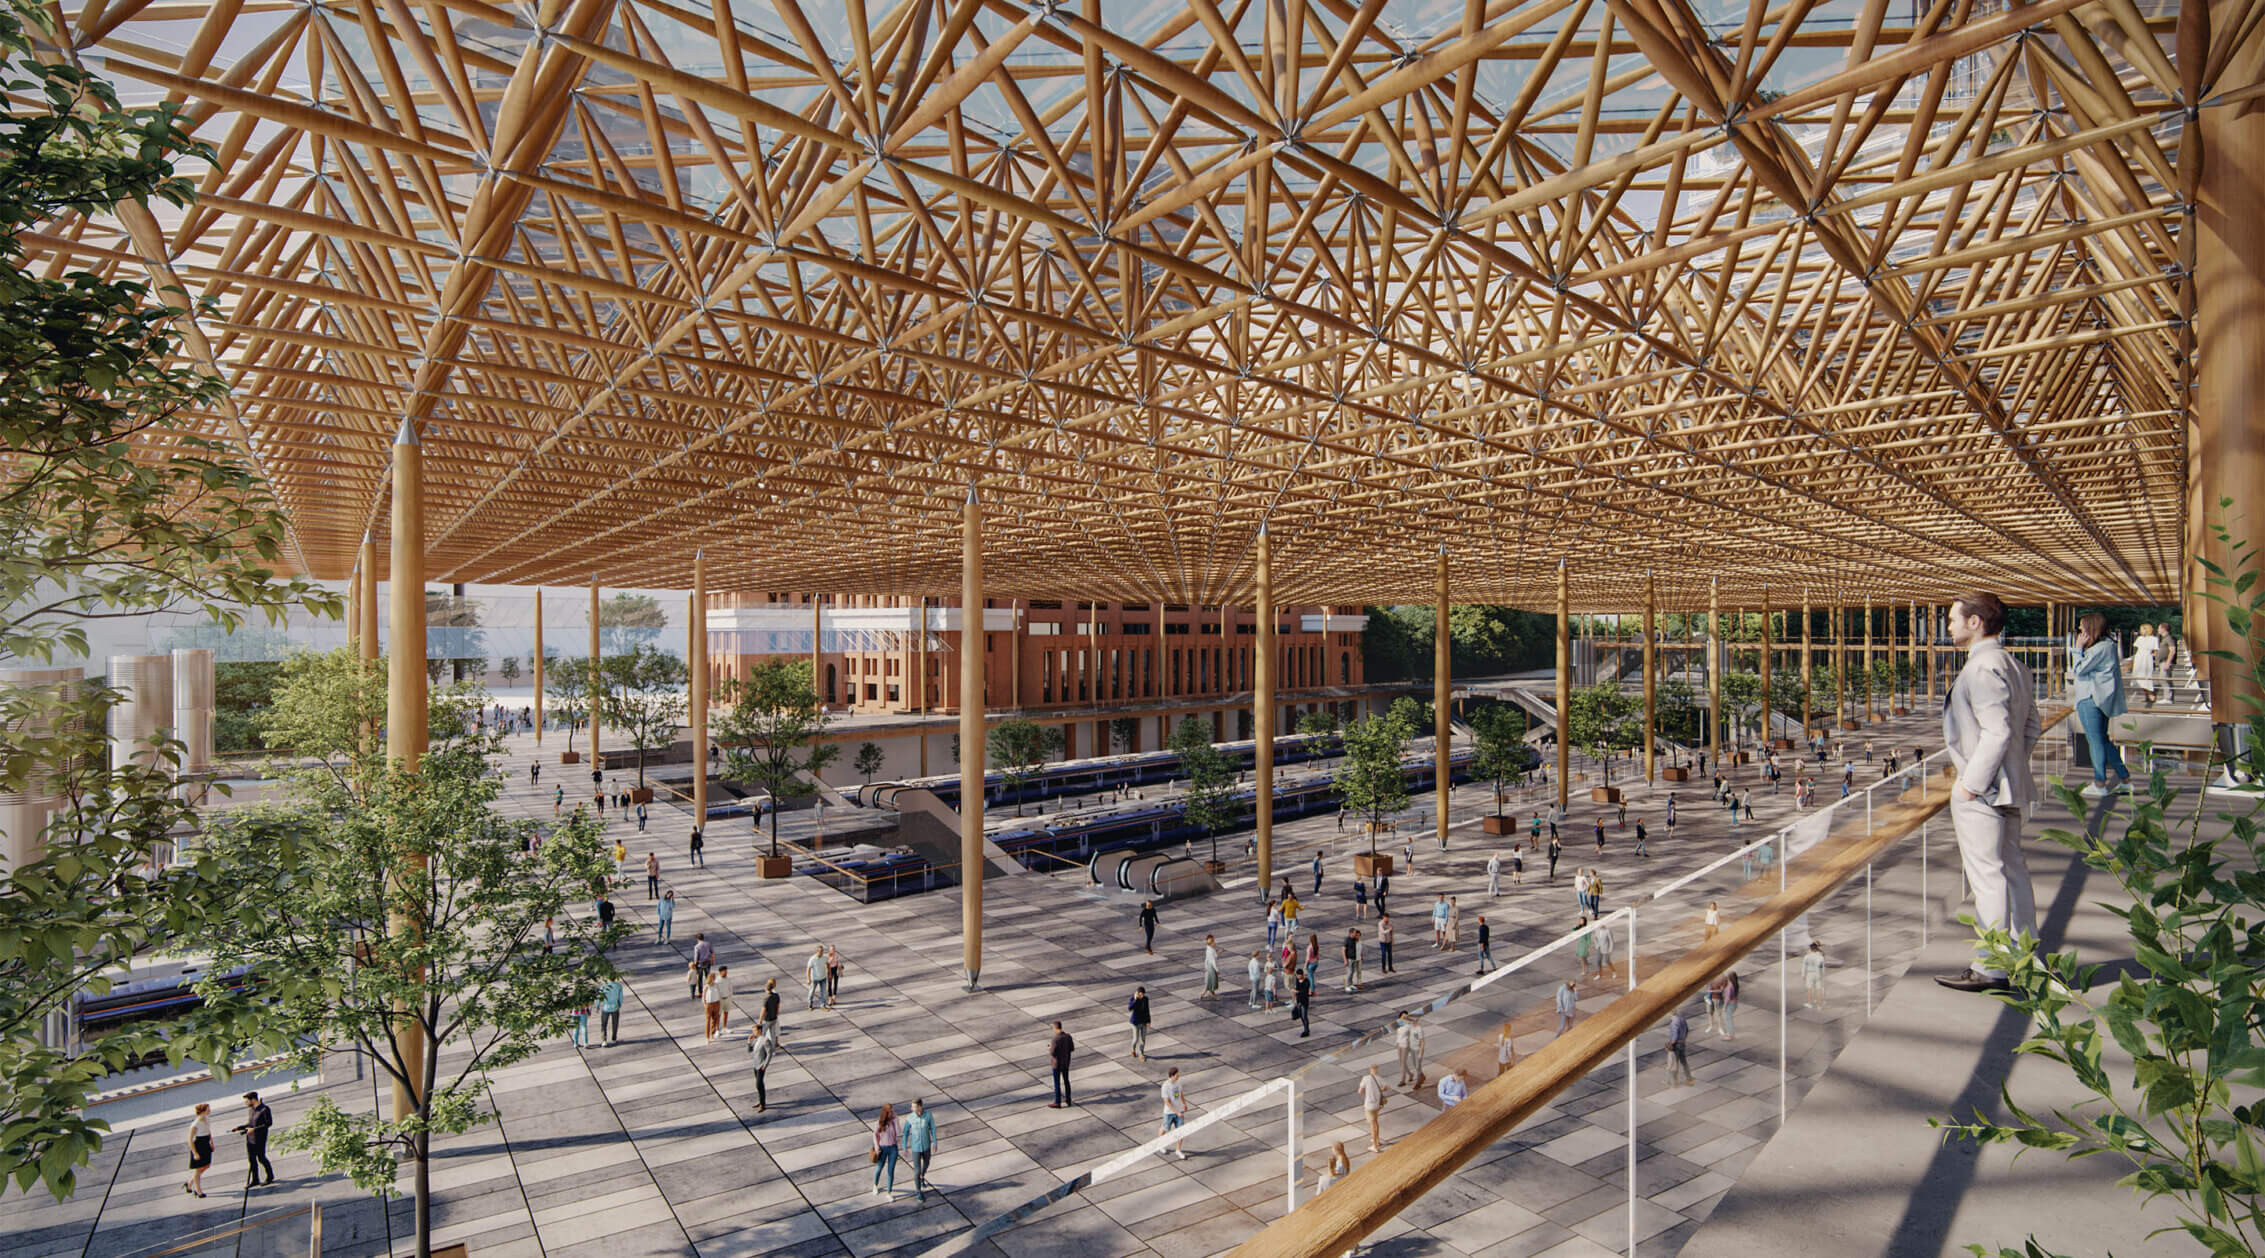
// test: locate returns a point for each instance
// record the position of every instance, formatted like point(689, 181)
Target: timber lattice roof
point(1852, 296)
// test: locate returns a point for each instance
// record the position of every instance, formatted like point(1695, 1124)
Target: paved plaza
point(655, 1147)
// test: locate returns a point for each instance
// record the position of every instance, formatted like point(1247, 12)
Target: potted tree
point(870, 760)
point(569, 687)
point(644, 698)
point(770, 733)
point(1741, 697)
point(1786, 695)
point(1207, 804)
point(1599, 719)
point(1019, 748)
point(1501, 757)
point(1371, 779)
point(1678, 713)
point(1887, 684)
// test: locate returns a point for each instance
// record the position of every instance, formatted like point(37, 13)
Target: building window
point(1042, 629)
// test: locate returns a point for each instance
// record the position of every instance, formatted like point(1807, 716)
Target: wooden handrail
point(1396, 1179)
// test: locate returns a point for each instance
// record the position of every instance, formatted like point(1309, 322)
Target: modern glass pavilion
point(1552, 302)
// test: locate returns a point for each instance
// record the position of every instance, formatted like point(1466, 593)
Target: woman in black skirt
point(200, 1149)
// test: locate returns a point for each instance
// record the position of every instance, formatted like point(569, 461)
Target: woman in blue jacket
point(2095, 684)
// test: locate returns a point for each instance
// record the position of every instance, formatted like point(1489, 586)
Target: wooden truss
point(1839, 296)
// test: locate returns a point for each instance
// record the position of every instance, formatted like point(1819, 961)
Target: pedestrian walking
point(640, 818)
point(1439, 924)
point(620, 860)
point(694, 980)
point(1290, 907)
point(609, 1013)
point(1494, 875)
point(1148, 926)
point(1600, 836)
point(1403, 1042)
point(1678, 1059)
point(1568, 1005)
point(885, 1137)
point(1606, 943)
point(1372, 1108)
point(664, 917)
point(1273, 922)
point(833, 973)
point(1210, 968)
point(534, 772)
point(605, 912)
point(1175, 1100)
point(696, 849)
point(1643, 842)
point(1730, 1005)
point(258, 1121)
point(1454, 925)
point(1317, 873)
point(1556, 848)
point(1584, 945)
point(579, 1034)
point(762, 1049)
point(1383, 942)
point(1272, 970)
point(1517, 868)
point(1058, 1051)
point(770, 1017)
point(1713, 921)
point(703, 955)
point(815, 969)
point(1300, 1009)
point(1415, 1051)
point(1353, 959)
point(916, 1135)
point(717, 997)
point(1137, 1008)
point(1813, 976)
point(1505, 1050)
point(652, 874)
point(558, 801)
point(1486, 946)
point(1257, 970)
point(1360, 900)
point(200, 1149)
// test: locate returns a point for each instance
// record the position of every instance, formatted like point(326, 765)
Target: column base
point(971, 980)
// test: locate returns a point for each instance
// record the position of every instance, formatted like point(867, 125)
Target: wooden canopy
point(1827, 295)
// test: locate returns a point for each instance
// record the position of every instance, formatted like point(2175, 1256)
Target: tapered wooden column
point(538, 662)
point(1262, 711)
point(1808, 715)
point(1934, 627)
point(1769, 738)
point(1651, 674)
point(971, 740)
point(697, 648)
point(1564, 683)
point(1839, 664)
point(1442, 657)
point(1715, 659)
point(406, 713)
point(597, 679)
point(817, 632)
point(1868, 687)
point(367, 632)
point(354, 613)
point(920, 654)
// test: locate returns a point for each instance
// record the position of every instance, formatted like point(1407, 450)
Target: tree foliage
point(396, 906)
point(1208, 802)
point(870, 760)
point(1018, 748)
point(770, 733)
point(568, 684)
point(93, 527)
point(645, 697)
point(1501, 756)
point(1370, 779)
point(627, 621)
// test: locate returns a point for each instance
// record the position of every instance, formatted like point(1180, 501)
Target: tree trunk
point(424, 1191)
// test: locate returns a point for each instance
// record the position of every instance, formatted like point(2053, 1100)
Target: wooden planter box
point(642, 795)
point(1782, 744)
point(1604, 794)
point(1498, 825)
point(1215, 868)
point(1740, 757)
point(1899, 711)
point(774, 866)
point(570, 757)
point(1851, 725)
point(1367, 866)
point(1676, 773)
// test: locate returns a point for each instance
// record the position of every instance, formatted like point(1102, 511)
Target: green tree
point(510, 670)
point(645, 698)
point(1124, 732)
point(1370, 779)
point(1676, 706)
point(1019, 749)
point(568, 684)
point(397, 908)
point(870, 760)
point(1319, 723)
point(1787, 692)
point(1207, 803)
point(462, 642)
point(1501, 756)
point(2187, 1123)
point(1741, 698)
point(770, 733)
point(95, 375)
point(627, 621)
point(1603, 718)
point(241, 691)
point(1884, 682)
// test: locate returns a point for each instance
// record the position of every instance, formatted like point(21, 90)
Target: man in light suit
point(1990, 726)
